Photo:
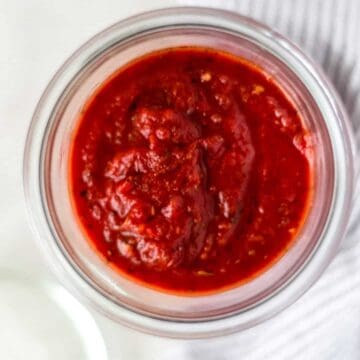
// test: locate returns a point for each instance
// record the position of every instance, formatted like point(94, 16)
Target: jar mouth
point(46, 181)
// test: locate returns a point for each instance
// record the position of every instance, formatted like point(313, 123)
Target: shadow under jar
point(48, 192)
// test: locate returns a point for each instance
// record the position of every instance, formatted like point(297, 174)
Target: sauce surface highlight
point(189, 171)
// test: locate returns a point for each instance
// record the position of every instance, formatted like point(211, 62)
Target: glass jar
point(46, 158)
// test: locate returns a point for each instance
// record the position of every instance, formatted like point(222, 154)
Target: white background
point(36, 36)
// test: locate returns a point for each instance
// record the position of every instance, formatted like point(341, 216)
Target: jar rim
point(341, 140)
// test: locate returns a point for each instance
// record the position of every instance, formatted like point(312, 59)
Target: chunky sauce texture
point(189, 170)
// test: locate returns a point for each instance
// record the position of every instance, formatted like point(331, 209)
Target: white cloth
point(37, 35)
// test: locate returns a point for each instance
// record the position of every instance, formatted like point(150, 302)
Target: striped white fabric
point(325, 323)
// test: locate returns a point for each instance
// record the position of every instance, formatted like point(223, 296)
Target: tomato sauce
point(189, 170)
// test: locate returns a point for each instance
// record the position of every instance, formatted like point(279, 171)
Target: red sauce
point(189, 170)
